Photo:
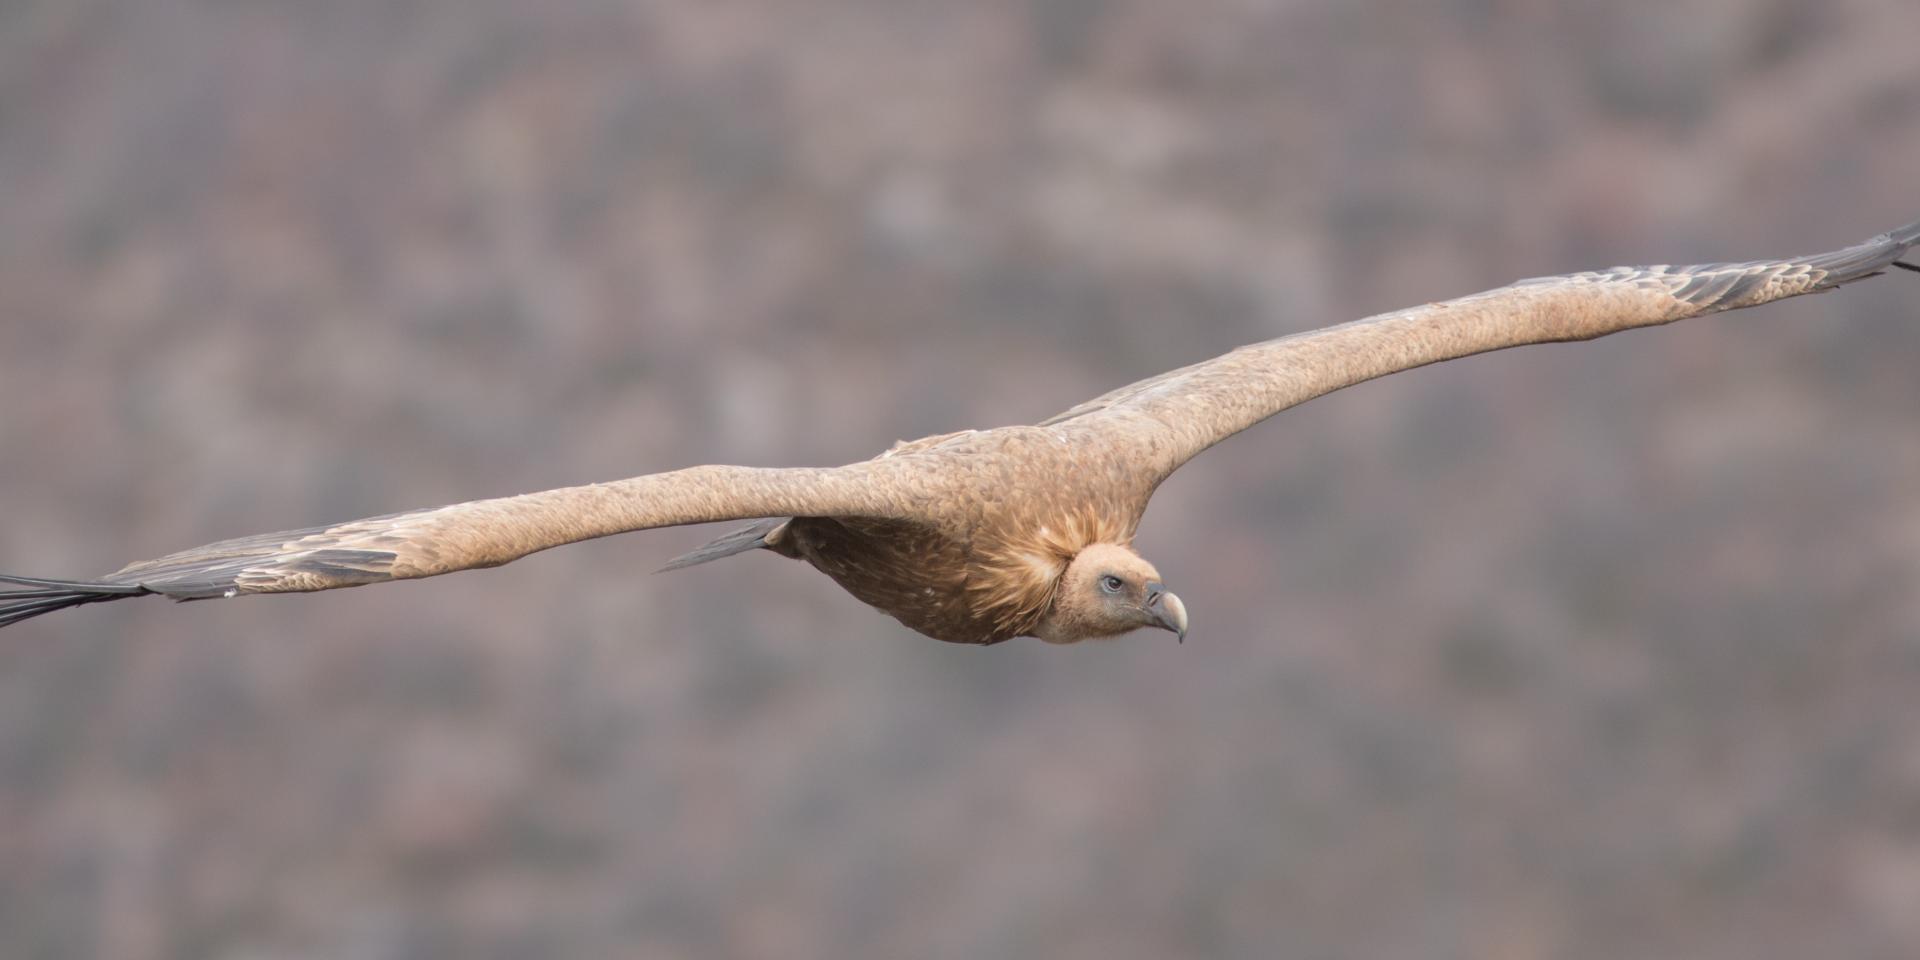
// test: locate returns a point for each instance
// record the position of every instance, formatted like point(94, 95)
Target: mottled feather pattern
point(317, 558)
point(1708, 287)
point(1729, 286)
point(965, 536)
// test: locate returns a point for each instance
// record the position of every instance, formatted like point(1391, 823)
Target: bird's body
point(981, 535)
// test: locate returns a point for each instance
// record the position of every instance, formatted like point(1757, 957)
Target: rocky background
point(1592, 651)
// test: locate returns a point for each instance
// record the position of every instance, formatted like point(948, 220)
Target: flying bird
point(980, 536)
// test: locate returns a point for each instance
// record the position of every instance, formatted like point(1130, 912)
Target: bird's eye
point(1112, 584)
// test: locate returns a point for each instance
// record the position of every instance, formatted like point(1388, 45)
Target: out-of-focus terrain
point(1596, 650)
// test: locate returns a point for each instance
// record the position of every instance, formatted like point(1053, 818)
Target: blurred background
point(1595, 650)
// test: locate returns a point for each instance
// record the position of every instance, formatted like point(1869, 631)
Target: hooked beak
point(1167, 611)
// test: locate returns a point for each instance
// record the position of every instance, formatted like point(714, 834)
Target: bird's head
point(1108, 590)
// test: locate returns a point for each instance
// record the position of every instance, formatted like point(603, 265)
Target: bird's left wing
point(1174, 416)
point(487, 533)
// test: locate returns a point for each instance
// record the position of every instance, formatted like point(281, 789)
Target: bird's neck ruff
point(1016, 572)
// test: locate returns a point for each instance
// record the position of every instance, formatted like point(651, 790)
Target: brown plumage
point(982, 535)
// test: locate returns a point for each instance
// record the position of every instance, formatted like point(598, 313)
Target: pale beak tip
point(1173, 615)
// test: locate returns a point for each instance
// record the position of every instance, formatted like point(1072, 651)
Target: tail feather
point(46, 596)
point(760, 534)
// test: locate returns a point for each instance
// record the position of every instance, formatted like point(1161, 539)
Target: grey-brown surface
point(983, 535)
point(1589, 651)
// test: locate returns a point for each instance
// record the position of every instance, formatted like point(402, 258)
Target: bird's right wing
point(1174, 416)
point(487, 533)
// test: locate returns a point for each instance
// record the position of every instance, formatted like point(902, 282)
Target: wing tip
point(1868, 259)
point(41, 596)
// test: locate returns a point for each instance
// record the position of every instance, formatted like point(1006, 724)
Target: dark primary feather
point(46, 596)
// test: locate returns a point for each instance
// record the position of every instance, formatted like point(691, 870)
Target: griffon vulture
point(982, 535)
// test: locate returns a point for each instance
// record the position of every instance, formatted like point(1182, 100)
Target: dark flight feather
point(742, 540)
point(46, 596)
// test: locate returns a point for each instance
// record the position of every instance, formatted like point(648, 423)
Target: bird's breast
point(912, 571)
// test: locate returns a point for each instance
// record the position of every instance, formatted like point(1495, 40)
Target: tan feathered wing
point(487, 533)
point(1174, 416)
